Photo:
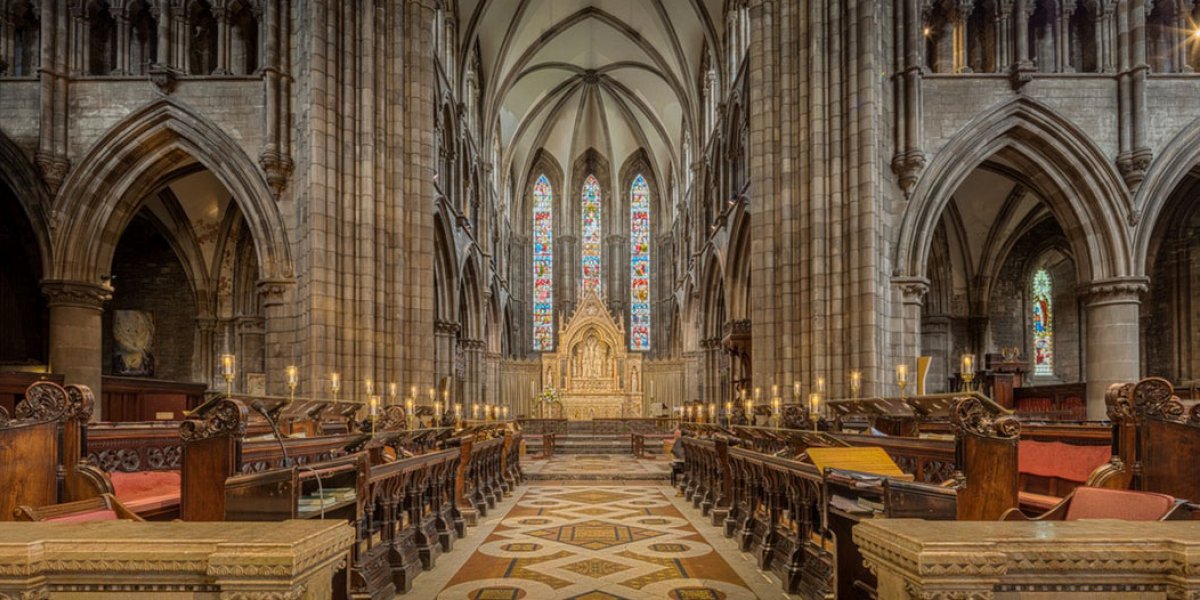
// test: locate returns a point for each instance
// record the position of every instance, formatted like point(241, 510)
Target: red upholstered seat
point(147, 491)
point(95, 515)
point(1064, 461)
point(1126, 505)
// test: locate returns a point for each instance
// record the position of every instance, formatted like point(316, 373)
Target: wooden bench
point(106, 507)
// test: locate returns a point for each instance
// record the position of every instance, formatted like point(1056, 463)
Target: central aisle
point(595, 540)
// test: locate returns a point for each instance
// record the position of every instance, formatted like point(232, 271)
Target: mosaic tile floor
point(596, 466)
point(595, 542)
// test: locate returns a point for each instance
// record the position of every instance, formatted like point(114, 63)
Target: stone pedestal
point(1112, 338)
point(985, 560)
point(76, 331)
point(299, 560)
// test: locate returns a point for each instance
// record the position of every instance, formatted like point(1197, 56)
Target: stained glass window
point(1043, 324)
point(639, 264)
point(543, 265)
point(591, 234)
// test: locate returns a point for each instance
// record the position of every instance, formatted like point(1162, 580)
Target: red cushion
point(144, 484)
point(1100, 503)
point(95, 515)
point(1056, 459)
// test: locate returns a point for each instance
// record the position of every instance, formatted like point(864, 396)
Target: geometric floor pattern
point(582, 542)
point(595, 466)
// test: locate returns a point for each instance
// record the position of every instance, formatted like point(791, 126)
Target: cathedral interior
point(600, 299)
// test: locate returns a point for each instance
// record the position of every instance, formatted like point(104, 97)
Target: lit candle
point(374, 405)
point(335, 383)
point(729, 408)
point(293, 377)
point(458, 410)
point(227, 361)
point(902, 375)
point(820, 385)
point(775, 405)
point(408, 407)
point(437, 408)
point(370, 385)
point(855, 382)
point(968, 365)
point(814, 404)
point(432, 395)
point(774, 391)
point(796, 390)
point(505, 413)
point(712, 411)
point(393, 391)
point(412, 392)
point(757, 394)
point(475, 411)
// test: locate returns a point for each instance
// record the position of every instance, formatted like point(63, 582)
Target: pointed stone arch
point(27, 186)
point(1177, 161)
point(1080, 185)
point(135, 157)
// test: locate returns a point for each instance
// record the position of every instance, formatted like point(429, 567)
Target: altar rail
point(599, 426)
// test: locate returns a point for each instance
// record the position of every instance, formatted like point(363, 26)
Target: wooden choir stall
point(793, 496)
point(409, 494)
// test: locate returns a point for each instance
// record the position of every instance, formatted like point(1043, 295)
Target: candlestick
point(968, 371)
point(757, 394)
point(437, 409)
point(729, 409)
point(432, 396)
point(335, 384)
point(712, 412)
point(505, 413)
point(393, 391)
point(374, 411)
point(293, 380)
point(774, 391)
point(814, 408)
point(775, 411)
point(408, 410)
point(228, 372)
point(855, 383)
point(370, 387)
point(902, 377)
point(796, 390)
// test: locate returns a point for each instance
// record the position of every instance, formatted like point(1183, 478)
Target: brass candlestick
point(967, 371)
point(228, 372)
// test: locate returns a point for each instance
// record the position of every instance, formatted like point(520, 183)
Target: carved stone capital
point(54, 169)
point(446, 327)
point(274, 291)
point(908, 167)
point(1133, 166)
point(1121, 290)
point(61, 292)
point(912, 289)
point(278, 168)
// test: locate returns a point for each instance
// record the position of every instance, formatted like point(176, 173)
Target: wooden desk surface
point(867, 459)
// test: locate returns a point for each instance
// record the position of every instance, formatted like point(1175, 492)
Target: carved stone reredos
point(590, 314)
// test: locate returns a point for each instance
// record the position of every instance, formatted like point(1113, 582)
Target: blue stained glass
point(543, 265)
point(591, 235)
point(1043, 324)
point(639, 264)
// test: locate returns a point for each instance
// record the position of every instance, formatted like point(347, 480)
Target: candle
point(335, 382)
point(437, 408)
point(475, 411)
point(757, 393)
point(814, 404)
point(293, 377)
point(712, 411)
point(775, 405)
point(412, 392)
point(374, 405)
point(728, 408)
point(855, 382)
point(902, 374)
point(408, 407)
point(774, 391)
point(458, 410)
point(820, 385)
point(227, 361)
point(505, 413)
point(393, 391)
point(370, 385)
point(796, 389)
point(968, 365)
point(432, 394)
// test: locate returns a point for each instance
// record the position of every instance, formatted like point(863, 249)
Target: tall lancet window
point(590, 229)
point(1043, 324)
point(639, 264)
point(543, 265)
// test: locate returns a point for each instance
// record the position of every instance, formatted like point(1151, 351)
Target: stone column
point(961, 14)
point(1022, 10)
point(279, 333)
point(204, 366)
point(912, 291)
point(445, 335)
point(223, 35)
point(1113, 348)
point(76, 331)
point(162, 15)
point(122, 66)
point(1004, 34)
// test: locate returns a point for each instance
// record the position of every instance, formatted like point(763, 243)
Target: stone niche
point(294, 560)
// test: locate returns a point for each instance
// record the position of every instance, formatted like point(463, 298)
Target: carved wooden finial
point(223, 418)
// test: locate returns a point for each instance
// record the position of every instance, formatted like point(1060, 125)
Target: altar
point(594, 372)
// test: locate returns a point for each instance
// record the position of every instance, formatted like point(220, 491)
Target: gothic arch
point(1082, 188)
point(714, 305)
point(1169, 170)
point(27, 186)
point(445, 270)
point(737, 275)
point(136, 156)
point(471, 298)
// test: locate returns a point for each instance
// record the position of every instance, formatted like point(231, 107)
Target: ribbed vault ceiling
point(568, 75)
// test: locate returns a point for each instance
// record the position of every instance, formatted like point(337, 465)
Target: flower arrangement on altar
point(546, 401)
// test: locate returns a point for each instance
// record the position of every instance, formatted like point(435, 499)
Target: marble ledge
point(986, 560)
point(290, 560)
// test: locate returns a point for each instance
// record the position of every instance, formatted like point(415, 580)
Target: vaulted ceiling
point(569, 75)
